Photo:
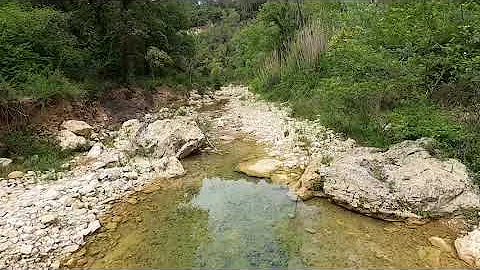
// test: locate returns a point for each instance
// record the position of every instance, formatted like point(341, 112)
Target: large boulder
point(405, 181)
point(170, 137)
point(468, 248)
point(69, 141)
point(77, 127)
point(126, 136)
point(104, 156)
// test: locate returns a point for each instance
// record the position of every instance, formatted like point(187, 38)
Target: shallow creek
point(215, 217)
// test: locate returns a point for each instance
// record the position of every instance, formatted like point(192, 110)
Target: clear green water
point(217, 218)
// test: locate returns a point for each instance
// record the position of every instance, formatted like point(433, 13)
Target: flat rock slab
point(262, 168)
point(16, 175)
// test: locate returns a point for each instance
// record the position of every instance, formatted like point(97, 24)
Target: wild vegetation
point(378, 72)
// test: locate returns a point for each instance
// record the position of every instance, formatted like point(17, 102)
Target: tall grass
point(302, 53)
point(375, 72)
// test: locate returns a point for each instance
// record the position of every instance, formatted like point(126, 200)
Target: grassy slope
point(391, 72)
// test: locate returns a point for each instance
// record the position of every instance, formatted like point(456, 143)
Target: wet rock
point(5, 162)
point(132, 201)
point(284, 178)
point(468, 248)
point(111, 226)
point(396, 184)
point(16, 175)
point(262, 168)
point(169, 167)
point(441, 244)
point(430, 255)
point(77, 127)
point(69, 141)
point(72, 262)
point(312, 180)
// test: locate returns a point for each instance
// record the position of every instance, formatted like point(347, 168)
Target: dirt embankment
point(110, 110)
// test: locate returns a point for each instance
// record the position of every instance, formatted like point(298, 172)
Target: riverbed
point(215, 217)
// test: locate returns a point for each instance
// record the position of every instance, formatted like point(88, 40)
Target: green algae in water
point(217, 218)
point(226, 224)
point(245, 221)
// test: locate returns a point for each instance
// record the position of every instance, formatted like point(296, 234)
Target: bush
point(32, 40)
point(390, 72)
point(32, 152)
point(51, 85)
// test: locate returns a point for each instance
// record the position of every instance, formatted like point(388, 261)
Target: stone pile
point(42, 221)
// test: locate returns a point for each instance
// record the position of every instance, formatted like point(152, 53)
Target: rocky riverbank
point(46, 215)
point(399, 183)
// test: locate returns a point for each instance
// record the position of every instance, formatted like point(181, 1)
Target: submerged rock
point(69, 141)
point(405, 181)
point(284, 178)
point(262, 168)
point(468, 248)
point(441, 244)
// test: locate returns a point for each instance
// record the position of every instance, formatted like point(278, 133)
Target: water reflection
point(247, 223)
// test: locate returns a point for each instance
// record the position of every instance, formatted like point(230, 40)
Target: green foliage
point(51, 85)
point(274, 26)
point(390, 72)
point(32, 42)
point(119, 37)
point(30, 151)
point(97, 41)
point(212, 64)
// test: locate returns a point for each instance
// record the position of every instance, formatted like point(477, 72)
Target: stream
point(216, 217)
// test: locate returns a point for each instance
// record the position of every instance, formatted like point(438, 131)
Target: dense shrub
point(32, 42)
point(389, 72)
